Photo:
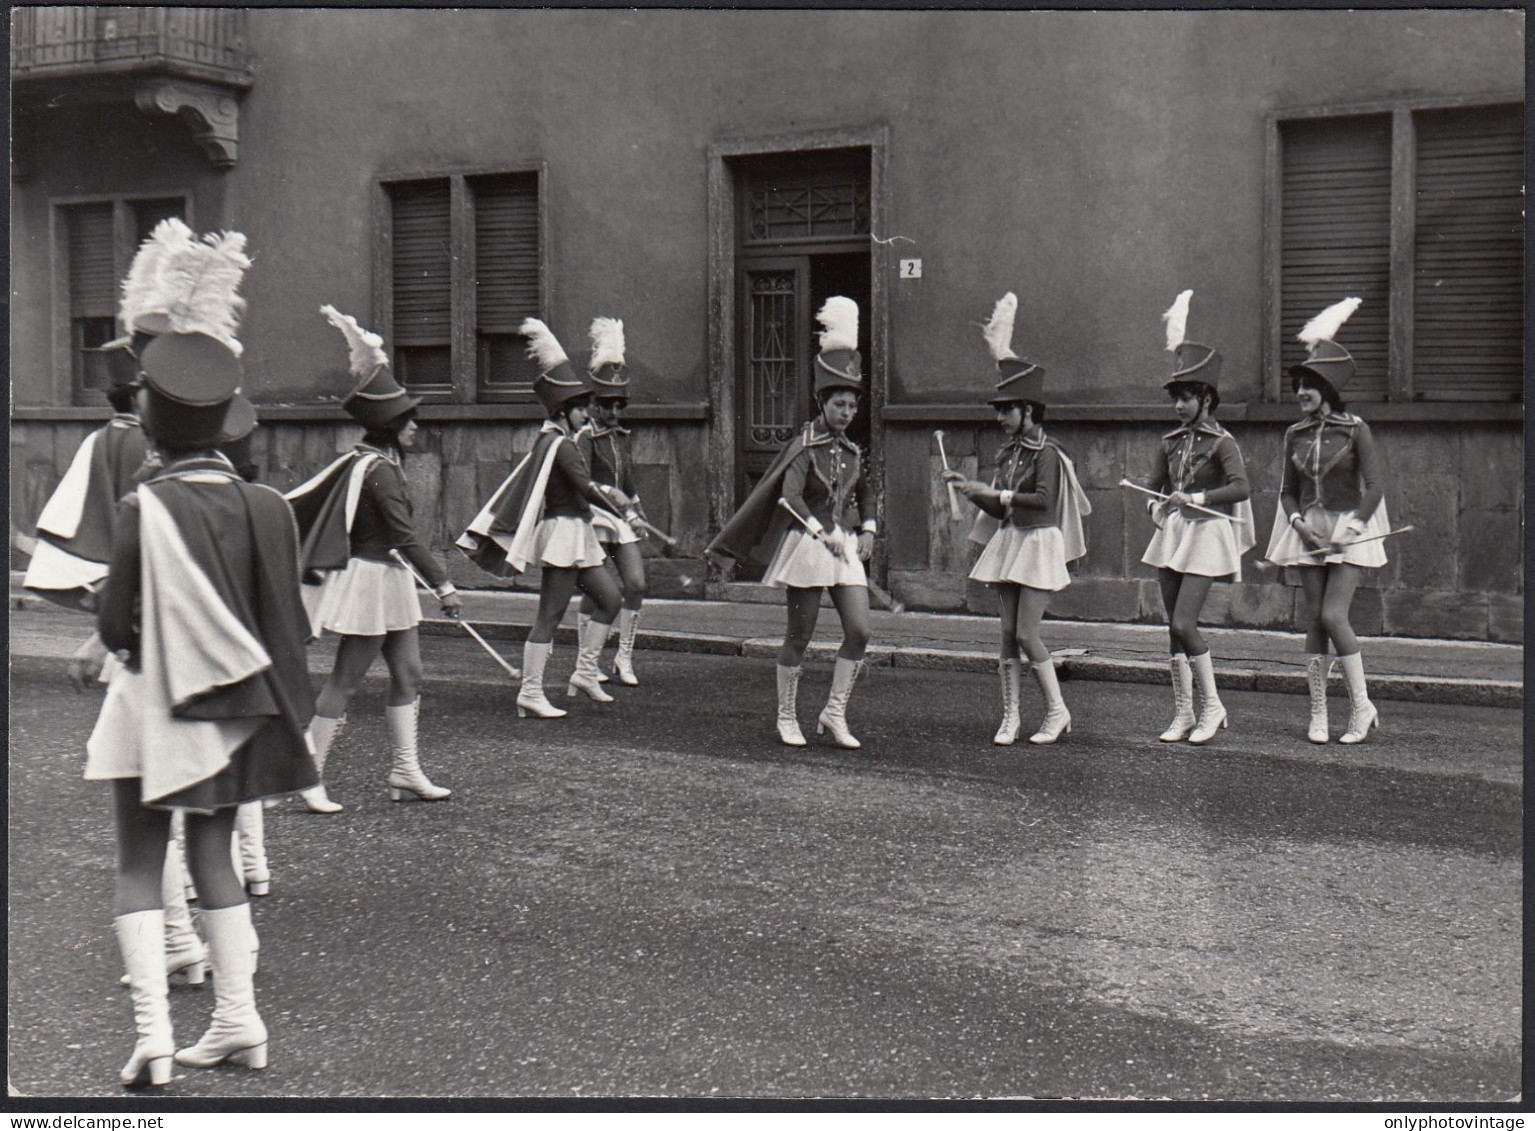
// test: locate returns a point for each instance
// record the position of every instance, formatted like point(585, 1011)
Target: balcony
point(193, 63)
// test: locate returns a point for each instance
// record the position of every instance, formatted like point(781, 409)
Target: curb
point(1088, 669)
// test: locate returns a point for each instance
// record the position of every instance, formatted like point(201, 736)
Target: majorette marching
point(1031, 526)
point(202, 619)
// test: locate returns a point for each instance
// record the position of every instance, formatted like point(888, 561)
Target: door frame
point(723, 328)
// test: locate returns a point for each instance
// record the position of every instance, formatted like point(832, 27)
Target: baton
point(881, 594)
point(954, 512)
point(1323, 550)
point(469, 628)
point(648, 528)
point(1164, 498)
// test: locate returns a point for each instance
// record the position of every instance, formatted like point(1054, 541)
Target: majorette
point(542, 515)
point(354, 516)
point(797, 514)
point(1030, 523)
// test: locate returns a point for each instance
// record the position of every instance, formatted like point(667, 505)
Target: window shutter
point(92, 270)
point(1468, 292)
point(506, 276)
point(1336, 238)
point(422, 263)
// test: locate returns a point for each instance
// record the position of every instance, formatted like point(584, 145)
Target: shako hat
point(838, 364)
point(122, 363)
point(377, 397)
point(184, 290)
point(238, 432)
point(1191, 360)
point(557, 382)
point(605, 368)
point(1325, 357)
point(189, 379)
point(1017, 379)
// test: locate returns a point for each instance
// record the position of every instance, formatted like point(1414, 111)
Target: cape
point(754, 531)
point(74, 530)
point(222, 666)
point(324, 508)
point(500, 538)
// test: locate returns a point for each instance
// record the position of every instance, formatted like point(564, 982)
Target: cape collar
point(380, 452)
point(561, 427)
point(816, 434)
point(598, 430)
point(1033, 441)
point(213, 461)
point(1340, 419)
point(1206, 427)
point(126, 419)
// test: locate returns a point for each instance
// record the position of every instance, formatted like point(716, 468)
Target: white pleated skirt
point(367, 598)
point(1287, 548)
point(1024, 555)
point(567, 542)
point(1203, 546)
point(612, 530)
point(802, 562)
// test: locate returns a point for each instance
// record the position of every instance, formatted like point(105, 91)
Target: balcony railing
point(202, 43)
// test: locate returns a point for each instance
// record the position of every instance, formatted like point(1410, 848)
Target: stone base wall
point(1458, 574)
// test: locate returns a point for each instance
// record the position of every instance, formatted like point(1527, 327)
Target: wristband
point(1294, 517)
point(1197, 498)
point(446, 589)
point(815, 525)
point(1007, 498)
point(869, 527)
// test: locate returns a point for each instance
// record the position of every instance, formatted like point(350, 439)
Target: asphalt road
point(653, 898)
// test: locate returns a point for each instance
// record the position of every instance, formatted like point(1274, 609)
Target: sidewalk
point(1435, 671)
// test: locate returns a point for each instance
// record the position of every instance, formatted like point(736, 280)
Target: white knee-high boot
point(322, 732)
point(582, 620)
point(1057, 717)
point(623, 663)
point(183, 949)
point(1183, 700)
point(405, 775)
point(1318, 668)
point(141, 938)
point(834, 715)
point(585, 677)
point(1008, 673)
point(1212, 713)
point(788, 707)
point(237, 1033)
point(250, 834)
point(1362, 715)
point(531, 699)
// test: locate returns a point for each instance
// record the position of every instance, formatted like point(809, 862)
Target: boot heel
point(196, 973)
point(396, 794)
point(154, 1073)
point(252, 1058)
point(259, 888)
point(820, 727)
point(522, 712)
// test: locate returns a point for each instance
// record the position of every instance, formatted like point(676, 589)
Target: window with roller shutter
point(1418, 210)
point(97, 245)
point(465, 267)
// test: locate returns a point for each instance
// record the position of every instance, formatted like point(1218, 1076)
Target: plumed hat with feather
point(605, 368)
point(838, 365)
point(1017, 379)
point(1325, 357)
point(1191, 360)
point(184, 292)
point(558, 382)
point(376, 397)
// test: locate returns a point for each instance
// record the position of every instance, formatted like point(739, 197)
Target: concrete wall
point(1094, 163)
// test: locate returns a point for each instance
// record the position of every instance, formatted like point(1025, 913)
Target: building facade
point(710, 176)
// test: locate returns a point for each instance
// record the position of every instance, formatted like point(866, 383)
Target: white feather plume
point(543, 347)
point(1177, 319)
point(607, 335)
point(365, 348)
point(194, 289)
point(999, 330)
point(1325, 326)
point(839, 315)
point(142, 293)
